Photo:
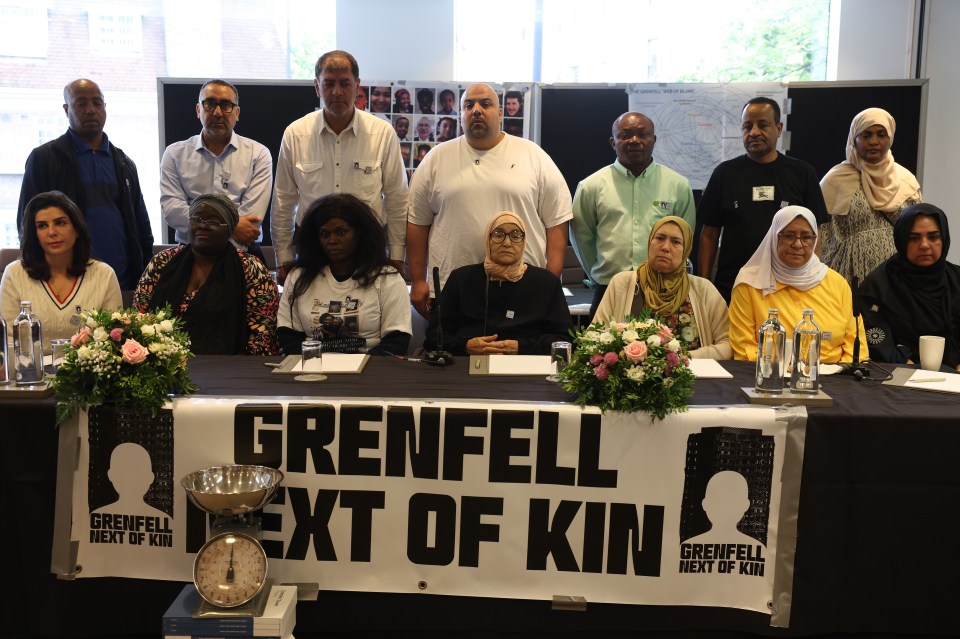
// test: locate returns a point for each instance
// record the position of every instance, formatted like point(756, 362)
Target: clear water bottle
point(771, 340)
point(27, 347)
point(806, 355)
point(5, 369)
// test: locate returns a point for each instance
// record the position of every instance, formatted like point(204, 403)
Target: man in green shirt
point(615, 208)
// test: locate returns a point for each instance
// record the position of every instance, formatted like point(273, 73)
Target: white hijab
point(765, 268)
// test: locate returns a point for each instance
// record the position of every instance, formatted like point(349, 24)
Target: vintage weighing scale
point(230, 571)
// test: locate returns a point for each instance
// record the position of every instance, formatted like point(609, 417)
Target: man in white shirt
point(463, 183)
point(339, 149)
point(217, 161)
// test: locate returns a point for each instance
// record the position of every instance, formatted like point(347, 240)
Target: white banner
point(482, 499)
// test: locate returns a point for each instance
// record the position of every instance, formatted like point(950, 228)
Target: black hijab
point(216, 317)
point(919, 300)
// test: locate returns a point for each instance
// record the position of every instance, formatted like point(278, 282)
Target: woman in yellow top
point(784, 273)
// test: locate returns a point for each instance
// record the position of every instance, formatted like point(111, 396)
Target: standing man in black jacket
point(100, 178)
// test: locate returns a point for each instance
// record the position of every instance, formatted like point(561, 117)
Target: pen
point(272, 364)
point(928, 379)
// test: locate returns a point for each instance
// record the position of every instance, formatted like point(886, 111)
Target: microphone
point(858, 370)
point(439, 357)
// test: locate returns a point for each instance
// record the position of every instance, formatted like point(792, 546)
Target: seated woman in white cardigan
point(689, 305)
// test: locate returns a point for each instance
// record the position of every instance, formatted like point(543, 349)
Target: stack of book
point(277, 621)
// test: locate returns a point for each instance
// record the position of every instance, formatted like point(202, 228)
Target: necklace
point(64, 289)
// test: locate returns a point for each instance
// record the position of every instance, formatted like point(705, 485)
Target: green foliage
point(636, 365)
point(127, 358)
point(783, 47)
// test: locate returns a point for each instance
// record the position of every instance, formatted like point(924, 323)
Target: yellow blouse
point(832, 305)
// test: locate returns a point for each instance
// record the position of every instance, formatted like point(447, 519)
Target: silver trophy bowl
point(231, 491)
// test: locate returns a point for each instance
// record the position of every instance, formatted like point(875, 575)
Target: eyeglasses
point(499, 236)
point(206, 223)
point(210, 105)
point(806, 239)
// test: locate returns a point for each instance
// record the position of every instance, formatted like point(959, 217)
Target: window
point(23, 29)
point(114, 32)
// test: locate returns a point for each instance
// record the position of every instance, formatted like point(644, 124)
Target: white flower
point(116, 316)
point(166, 326)
point(649, 322)
point(92, 322)
point(160, 315)
point(606, 338)
point(684, 318)
point(673, 345)
point(653, 340)
point(147, 329)
point(85, 352)
point(668, 382)
point(635, 373)
point(688, 333)
point(100, 334)
point(630, 336)
point(591, 336)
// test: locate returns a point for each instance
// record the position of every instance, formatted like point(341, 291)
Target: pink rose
point(673, 359)
point(685, 360)
point(132, 352)
point(665, 333)
point(611, 358)
point(80, 337)
point(635, 351)
point(601, 372)
point(596, 359)
point(116, 334)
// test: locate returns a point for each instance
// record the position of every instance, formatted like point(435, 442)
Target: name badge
point(510, 314)
point(763, 193)
point(826, 336)
point(663, 206)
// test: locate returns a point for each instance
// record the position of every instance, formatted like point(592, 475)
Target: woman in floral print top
point(227, 298)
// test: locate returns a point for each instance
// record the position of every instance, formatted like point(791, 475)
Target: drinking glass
point(57, 352)
point(311, 361)
point(560, 354)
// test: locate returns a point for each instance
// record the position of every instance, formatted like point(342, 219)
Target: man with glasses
point(744, 194)
point(99, 178)
point(217, 160)
point(339, 149)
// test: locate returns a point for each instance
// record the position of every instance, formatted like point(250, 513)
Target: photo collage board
point(424, 114)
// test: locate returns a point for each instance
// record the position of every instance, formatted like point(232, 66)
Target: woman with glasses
point(784, 273)
point(227, 298)
point(865, 195)
point(503, 306)
point(342, 288)
point(916, 292)
point(55, 270)
point(691, 306)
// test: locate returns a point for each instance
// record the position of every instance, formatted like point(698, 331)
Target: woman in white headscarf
point(503, 306)
point(785, 273)
point(865, 195)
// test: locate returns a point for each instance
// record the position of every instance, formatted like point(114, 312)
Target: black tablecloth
point(879, 498)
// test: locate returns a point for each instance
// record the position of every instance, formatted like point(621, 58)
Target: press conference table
point(876, 542)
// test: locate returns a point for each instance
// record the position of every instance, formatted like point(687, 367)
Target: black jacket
point(53, 166)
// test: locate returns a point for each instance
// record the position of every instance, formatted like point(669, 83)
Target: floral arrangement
point(629, 366)
point(128, 358)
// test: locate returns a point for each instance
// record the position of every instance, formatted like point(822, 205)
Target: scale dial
point(230, 570)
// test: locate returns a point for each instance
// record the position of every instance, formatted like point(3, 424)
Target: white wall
point(940, 57)
point(876, 39)
point(412, 40)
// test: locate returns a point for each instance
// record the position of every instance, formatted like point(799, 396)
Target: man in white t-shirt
point(463, 183)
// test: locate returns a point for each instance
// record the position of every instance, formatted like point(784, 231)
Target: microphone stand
point(438, 357)
point(859, 370)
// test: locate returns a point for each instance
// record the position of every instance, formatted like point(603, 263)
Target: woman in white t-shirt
point(342, 288)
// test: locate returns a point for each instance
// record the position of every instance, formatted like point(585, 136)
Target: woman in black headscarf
point(227, 298)
point(916, 292)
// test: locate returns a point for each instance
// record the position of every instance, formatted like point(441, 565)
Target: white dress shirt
point(363, 160)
